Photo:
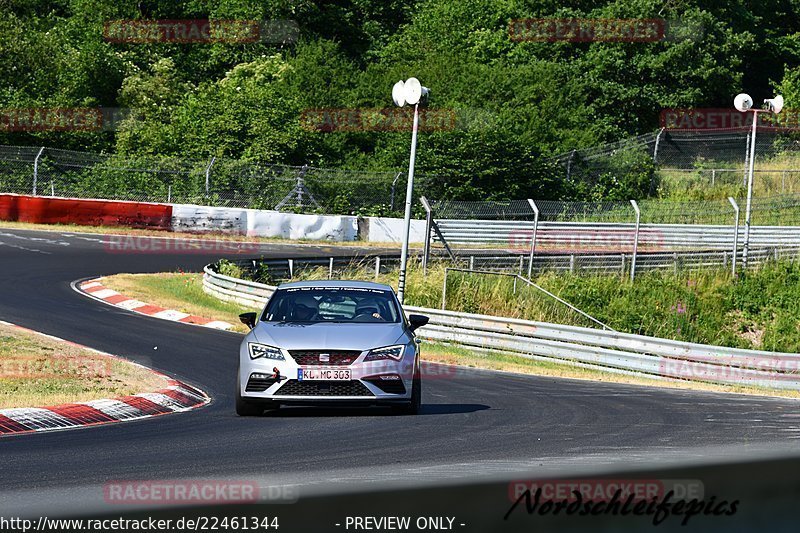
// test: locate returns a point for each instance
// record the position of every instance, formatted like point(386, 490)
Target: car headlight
point(389, 352)
point(262, 350)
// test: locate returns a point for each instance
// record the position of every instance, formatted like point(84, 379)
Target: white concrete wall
point(383, 229)
point(258, 223)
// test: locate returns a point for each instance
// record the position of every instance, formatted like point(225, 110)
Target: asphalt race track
point(472, 423)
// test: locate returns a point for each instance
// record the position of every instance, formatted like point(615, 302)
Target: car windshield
point(331, 304)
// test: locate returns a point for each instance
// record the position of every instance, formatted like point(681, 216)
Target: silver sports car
point(338, 342)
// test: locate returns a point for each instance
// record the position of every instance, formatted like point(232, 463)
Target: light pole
point(744, 103)
point(409, 92)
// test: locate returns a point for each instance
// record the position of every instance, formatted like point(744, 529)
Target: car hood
point(328, 336)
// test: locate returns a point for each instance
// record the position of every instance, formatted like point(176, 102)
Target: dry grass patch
point(38, 371)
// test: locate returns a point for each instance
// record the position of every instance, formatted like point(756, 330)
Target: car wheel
point(413, 407)
point(245, 408)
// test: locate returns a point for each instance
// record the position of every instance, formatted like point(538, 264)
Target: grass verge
point(39, 371)
point(176, 290)
point(184, 291)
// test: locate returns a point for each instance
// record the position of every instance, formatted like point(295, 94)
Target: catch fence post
point(208, 175)
point(444, 288)
point(533, 236)
point(36, 169)
point(426, 252)
point(635, 238)
point(735, 233)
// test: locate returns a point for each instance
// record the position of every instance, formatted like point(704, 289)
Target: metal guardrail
point(594, 348)
point(281, 269)
point(577, 236)
point(226, 288)
point(619, 262)
point(515, 228)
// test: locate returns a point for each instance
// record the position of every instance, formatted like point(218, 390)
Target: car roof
point(336, 283)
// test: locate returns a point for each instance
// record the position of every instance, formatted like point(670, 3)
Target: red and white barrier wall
point(50, 210)
point(201, 219)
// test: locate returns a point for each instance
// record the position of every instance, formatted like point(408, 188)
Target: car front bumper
point(384, 381)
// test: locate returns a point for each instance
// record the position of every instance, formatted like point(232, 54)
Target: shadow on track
point(326, 411)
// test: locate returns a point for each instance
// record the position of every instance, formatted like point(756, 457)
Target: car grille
point(323, 388)
point(335, 357)
point(389, 386)
point(259, 384)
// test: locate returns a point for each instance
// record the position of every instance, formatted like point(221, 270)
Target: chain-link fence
point(688, 164)
point(691, 160)
point(218, 181)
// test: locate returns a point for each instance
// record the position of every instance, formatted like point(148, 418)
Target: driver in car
point(306, 307)
point(369, 306)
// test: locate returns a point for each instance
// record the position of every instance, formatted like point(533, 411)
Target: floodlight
point(775, 104)
point(742, 102)
point(399, 93)
point(414, 91)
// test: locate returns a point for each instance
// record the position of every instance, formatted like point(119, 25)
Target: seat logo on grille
point(324, 357)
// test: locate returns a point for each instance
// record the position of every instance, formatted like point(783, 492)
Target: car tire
point(413, 407)
point(243, 407)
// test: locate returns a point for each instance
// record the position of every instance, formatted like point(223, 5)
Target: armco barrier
point(230, 289)
point(49, 210)
point(603, 236)
point(621, 262)
point(595, 348)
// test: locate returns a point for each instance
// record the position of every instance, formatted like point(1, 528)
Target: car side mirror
point(417, 321)
point(248, 319)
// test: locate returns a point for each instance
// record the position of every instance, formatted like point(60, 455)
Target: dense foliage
point(515, 103)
